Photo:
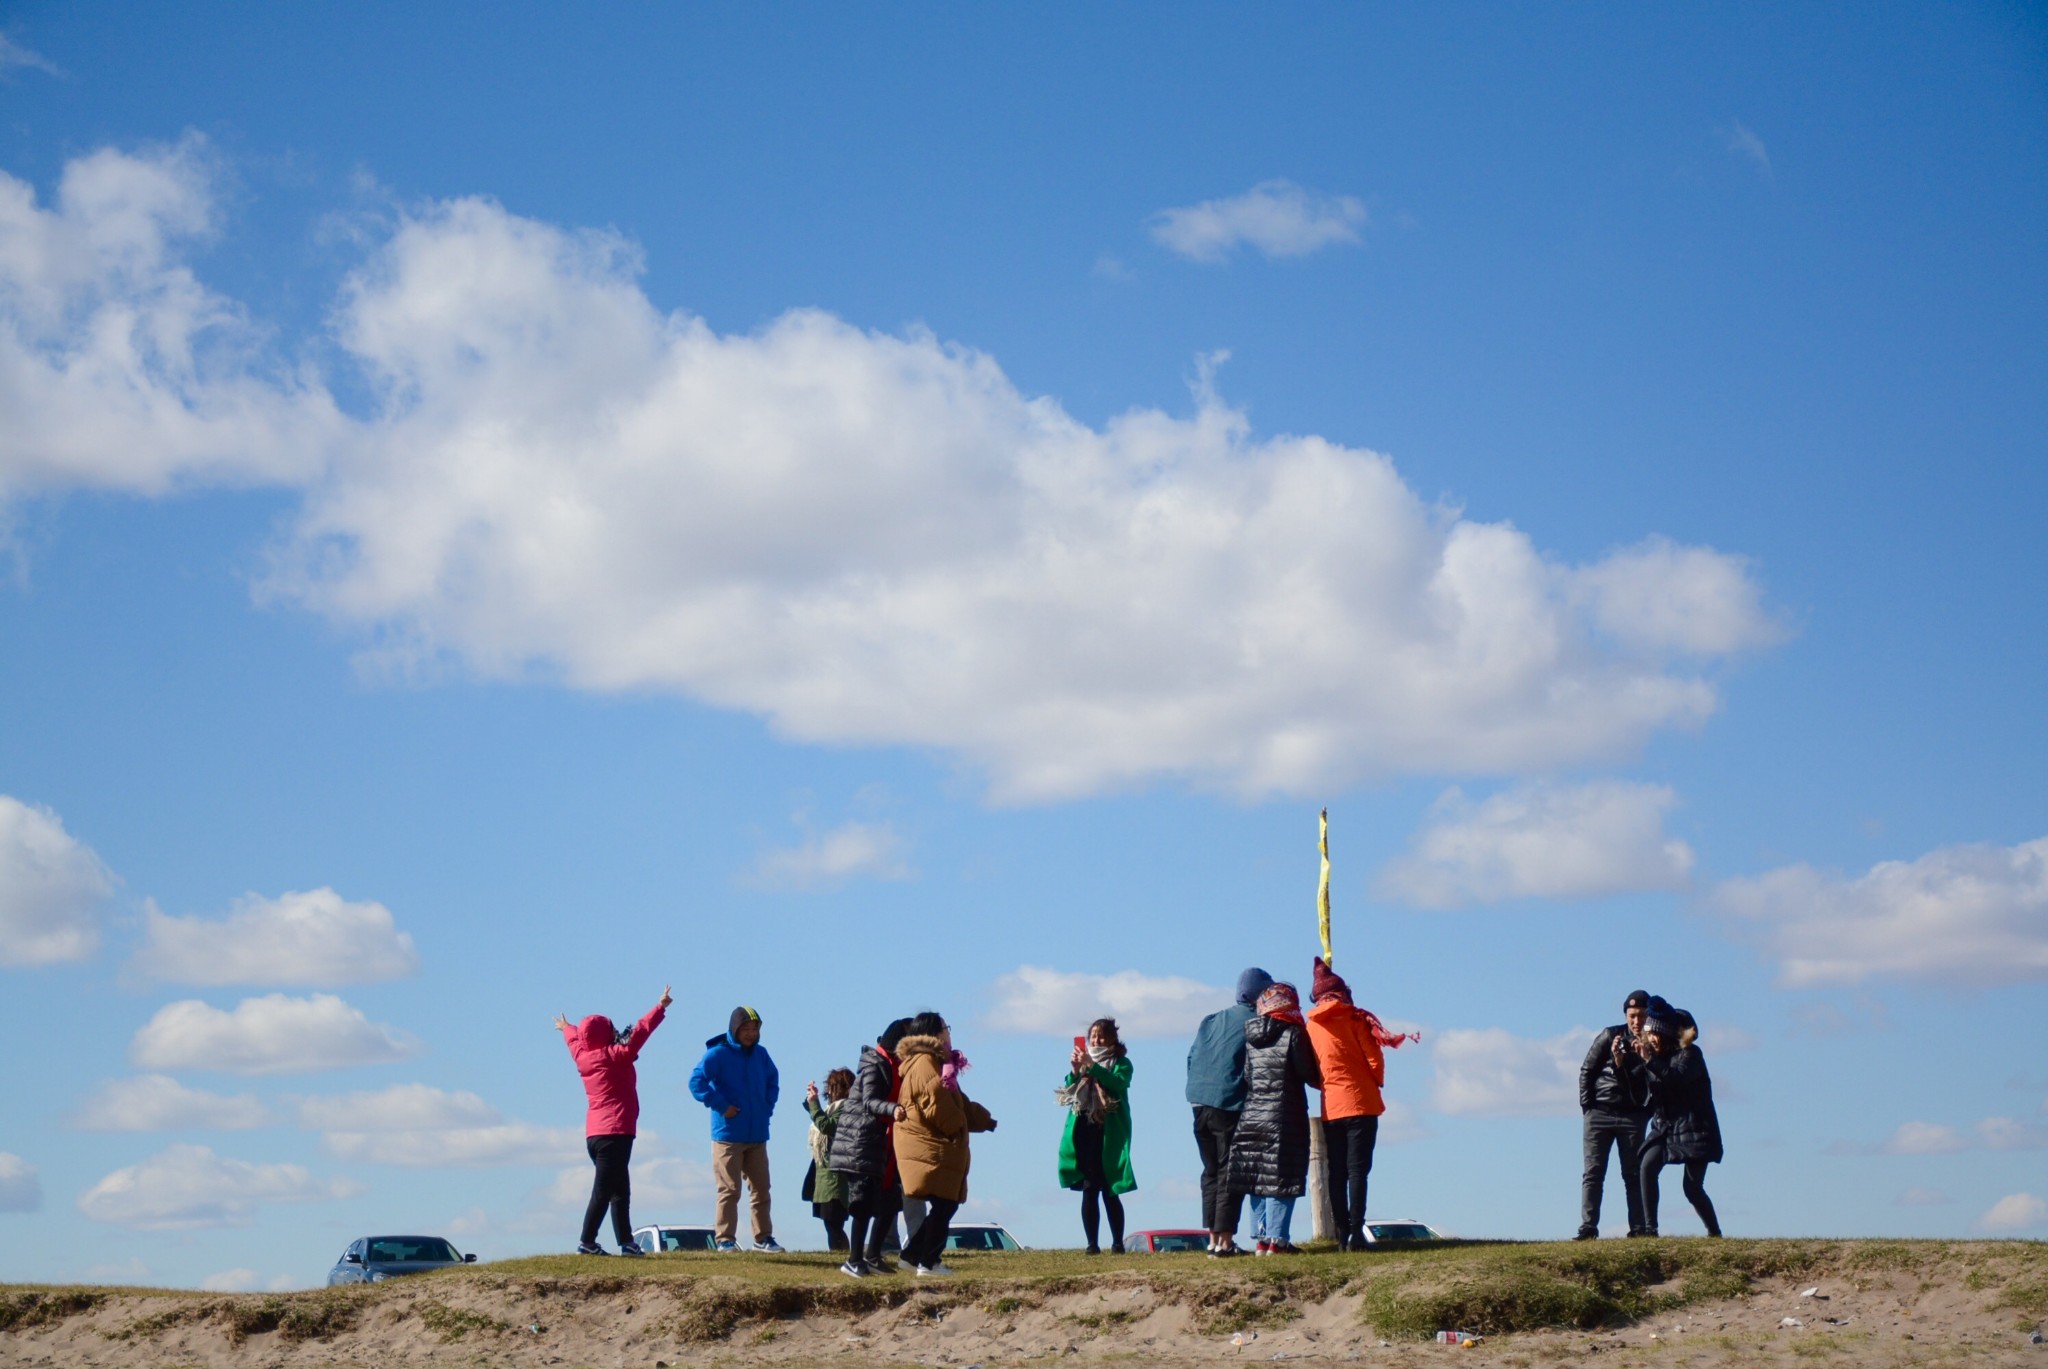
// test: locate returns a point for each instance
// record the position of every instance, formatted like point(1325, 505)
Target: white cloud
point(14, 56)
point(1921, 1197)
point(661, 1183)
point(1725, 1038)
point(269, 1035)
point(20, 1190)
point(2015, 1212)
point(1741, 141)
point(1542, 841)
point(157, 1102)
point(865, 539)
point(186, 1187)
point(2010, 1133)
point(1057, 1003)
point(131, 1271)
point(245, 1281)
point(419, 1126)
point(1974, 914)
point(1402, 1123)
point(1935, 1138)
point(314, 938)
point(870, 850)
point(402, 1107)
point(52, 886)
point(1277, 218)
point(1494, 1073)
point(1924, 1138)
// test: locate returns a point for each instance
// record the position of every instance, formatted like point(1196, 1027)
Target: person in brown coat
point(933, 1119)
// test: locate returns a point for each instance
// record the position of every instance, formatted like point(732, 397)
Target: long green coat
point(826, 1187)
point(1116, 1130)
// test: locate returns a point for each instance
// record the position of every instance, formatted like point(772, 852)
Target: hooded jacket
point(1216, 1059)
point(732, 1075)
point(606, 1064)
point(1348, 1053)
point(860, 1143)
point(1682, 1096)
point(1269, 1149)
point(931, 1140)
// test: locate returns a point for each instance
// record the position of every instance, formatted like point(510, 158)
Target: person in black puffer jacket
point(1684, 1129)
point(1269, 1149)
point(864, 1158)
point(1614, 1103)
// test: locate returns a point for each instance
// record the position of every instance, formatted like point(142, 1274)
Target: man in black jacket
point(1614, 1099)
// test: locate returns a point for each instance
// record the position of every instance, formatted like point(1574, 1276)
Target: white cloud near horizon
point(1921, 1197)
point(2015, 1212)
point(52, 888)
point(315, 939)
point(419, 1126)
point(187, 1187)
point(1541, 841)
point(1936, 1138)
point(20, 1189)
point(853, 850)
point(1491, 1072)
point(1035, 1000)
point(865, 539)
point(1275, 218)
point(157, 1102)
point(1967, 915)
point(247, 1281)
point(274, 1034)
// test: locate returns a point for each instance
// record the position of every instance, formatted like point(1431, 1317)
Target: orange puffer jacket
point(1349, 1052)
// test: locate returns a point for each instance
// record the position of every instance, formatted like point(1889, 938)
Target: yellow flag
point(1323, 889)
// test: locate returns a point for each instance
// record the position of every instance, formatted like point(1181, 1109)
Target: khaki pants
point(731, 1162)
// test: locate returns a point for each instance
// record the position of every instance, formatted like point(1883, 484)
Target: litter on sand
point(1791, 1321)
point(1815, 1293)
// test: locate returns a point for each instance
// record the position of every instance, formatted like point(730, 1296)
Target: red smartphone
point(1080, 1043)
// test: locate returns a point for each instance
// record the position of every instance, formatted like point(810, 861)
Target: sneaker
point(882, 1264)
point(856, 1269)
point(727, 1247)
point(1263, 1248)
point(586, 1248)
point(1093, 1250)
point(1587, 1233)
point(1285, 1248)
point(1116, 1248)
point(629, 1248)
point(767, 1246)
point(933, 1271)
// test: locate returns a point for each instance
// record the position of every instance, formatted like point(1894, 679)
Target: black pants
point(1095, 1190)
point(1347, 1159)
point(833, 1215)
point(610, 1189)
point(1695, 1188)
point(1605, 1131)
point(928, 1243)
point(1213, 1129)
point(873, 1206)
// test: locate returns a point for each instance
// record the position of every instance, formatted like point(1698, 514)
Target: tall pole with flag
point(1321, 1207)
point(1323, 887)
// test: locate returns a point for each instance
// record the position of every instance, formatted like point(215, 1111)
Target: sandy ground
point(1894, 1320)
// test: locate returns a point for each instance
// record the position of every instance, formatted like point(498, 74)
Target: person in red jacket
point(604, 1056)
point(1347, 1041)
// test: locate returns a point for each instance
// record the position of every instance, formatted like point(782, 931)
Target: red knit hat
point(1327, 984)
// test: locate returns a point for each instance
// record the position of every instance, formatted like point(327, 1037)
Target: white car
point(1388, 1230)
point(980, 1236)
point(657, 1239)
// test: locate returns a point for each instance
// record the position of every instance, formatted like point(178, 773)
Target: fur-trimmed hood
point(933, 1046)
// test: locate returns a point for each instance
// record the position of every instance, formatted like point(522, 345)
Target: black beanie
point(1639, 998)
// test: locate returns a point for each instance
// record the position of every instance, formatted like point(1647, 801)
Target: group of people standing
point(1644, 1091)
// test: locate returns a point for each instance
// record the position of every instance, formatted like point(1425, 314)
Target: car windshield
point(1401, 1231)
point(685, 1238)
point(412, 1250)
point(1170, 1243)
point(976, 1238)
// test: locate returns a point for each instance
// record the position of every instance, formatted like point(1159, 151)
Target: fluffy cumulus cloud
point(157, 1102)
point(1974, 914)
point(1059, 1003)
point(419, 1126)
point(1274, 218)
point(187, 1187)
point(52, 887)
point(863, 538)
point(660, 1183)
point(315, 938)
point(853, 850)
point(274, 1034)
point(1491, 1072)
point(1936, 1138)
point(1542, 841)
point(20, 1190)
point(2015, 1212)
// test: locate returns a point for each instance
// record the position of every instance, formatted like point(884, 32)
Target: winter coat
point(860, 1143)
point(931, 1140)
point(826, 1187)
point(1354, 1068)
point(1269, 1149)
point(606, 1063)
point(1216, 1059)
point(731, 1074)
point(1622, 1092)
point(1682, 1097)
point(1116, 1129)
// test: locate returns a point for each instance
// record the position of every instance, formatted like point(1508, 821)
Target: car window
point(1167, 1244)
point(684, 1238)
point(392, 1250)
point(974, 1240)
point(1401, 1231)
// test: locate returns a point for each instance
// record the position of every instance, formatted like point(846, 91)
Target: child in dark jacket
point(736, 1079)
point(604, 1058)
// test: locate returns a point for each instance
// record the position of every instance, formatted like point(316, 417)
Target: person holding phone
point(1095, 1151)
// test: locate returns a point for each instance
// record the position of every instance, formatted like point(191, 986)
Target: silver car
point(374, 1259)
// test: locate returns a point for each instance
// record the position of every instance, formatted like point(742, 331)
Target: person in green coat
point(1095, 1152)
point(823, 1185)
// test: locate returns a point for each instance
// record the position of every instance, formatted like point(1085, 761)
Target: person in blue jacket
point(1216, 1090)
point(736, 1080)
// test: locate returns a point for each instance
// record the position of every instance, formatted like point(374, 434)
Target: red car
point(1167, 1242)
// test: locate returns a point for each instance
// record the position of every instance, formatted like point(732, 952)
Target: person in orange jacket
point(1347, 1041)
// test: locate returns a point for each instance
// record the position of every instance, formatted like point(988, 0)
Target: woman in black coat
point(862, 1156)
point(1269, 1149)
point(1684, 1128)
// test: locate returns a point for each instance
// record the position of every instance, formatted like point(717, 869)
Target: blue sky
point(856, 513)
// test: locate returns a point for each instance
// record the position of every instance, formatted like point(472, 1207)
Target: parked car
point(980, 1236)
point(1401, 1229)
point(656, 1239)
point(1166, 1242)
point(374, 1259)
